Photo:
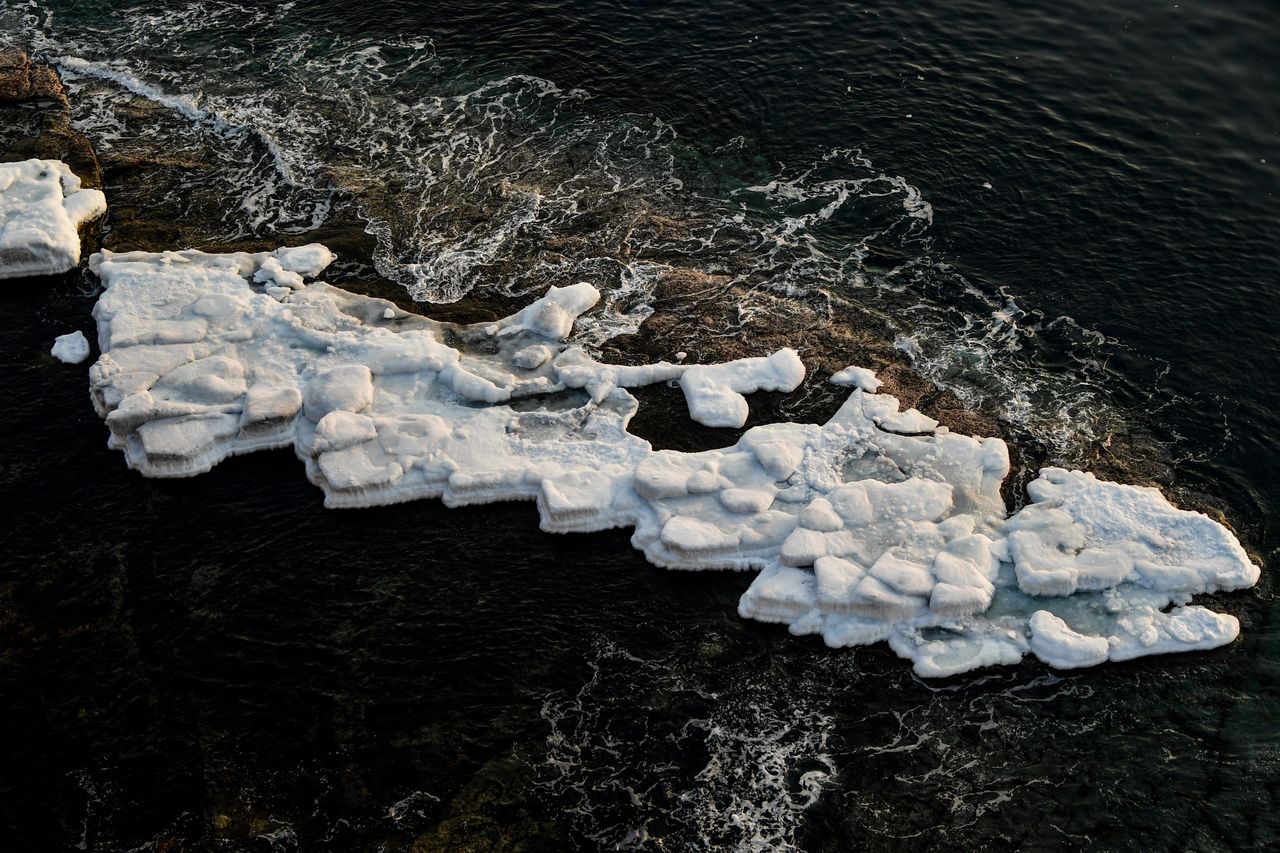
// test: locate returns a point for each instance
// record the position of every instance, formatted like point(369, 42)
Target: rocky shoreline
point(35, 123)
point(689, 304)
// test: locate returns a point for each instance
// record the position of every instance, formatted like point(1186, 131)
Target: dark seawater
point(1068, 212)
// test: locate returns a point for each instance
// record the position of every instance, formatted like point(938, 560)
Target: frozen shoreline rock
point(876, 526)
point(42, 207)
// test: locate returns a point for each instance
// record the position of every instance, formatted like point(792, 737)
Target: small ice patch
point(857, 377)
point(1055, 643)
point(910, 422)
point(714, 392)
point(42, 207)
point(308, 261)
point(72, 348)
point(553, 315)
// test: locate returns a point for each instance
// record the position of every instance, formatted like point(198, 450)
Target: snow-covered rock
point(42, 207)
point(876, 526)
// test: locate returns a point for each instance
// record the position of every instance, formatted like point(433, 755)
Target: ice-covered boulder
point(875, 526)
point(42, 207)
point(1082, 533)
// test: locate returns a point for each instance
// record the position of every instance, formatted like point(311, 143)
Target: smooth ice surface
point(876, 526)
point(42, 207)
point(72, 348)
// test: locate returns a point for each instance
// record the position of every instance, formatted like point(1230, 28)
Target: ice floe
point(42, 207)
point(71, 348)
point(876, 526)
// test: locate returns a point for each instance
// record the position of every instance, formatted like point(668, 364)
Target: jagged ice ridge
point(880, 525)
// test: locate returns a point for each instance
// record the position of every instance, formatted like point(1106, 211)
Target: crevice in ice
point(879, 525)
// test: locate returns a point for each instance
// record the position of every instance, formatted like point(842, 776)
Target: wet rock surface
point(23, 80)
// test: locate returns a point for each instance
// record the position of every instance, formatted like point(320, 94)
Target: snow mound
point(876, 526)
point(42, 207)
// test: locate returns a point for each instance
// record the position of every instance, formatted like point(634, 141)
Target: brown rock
point(22, 80)
point(44, 83)
point(15, 74)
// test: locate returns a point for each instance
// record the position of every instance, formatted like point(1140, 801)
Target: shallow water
point(222, 664)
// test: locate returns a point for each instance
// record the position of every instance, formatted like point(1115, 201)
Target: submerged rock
point(493, 811)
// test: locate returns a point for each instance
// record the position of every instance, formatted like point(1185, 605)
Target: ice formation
point(42, 207)
point(876, 526)
point(857, 377)
point(71, 348)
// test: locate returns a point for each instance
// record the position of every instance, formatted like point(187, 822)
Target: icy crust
point(42, 207)
point(715, 391)
point(879, 525)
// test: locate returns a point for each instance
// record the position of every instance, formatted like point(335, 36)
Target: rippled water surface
point(1065, 214)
